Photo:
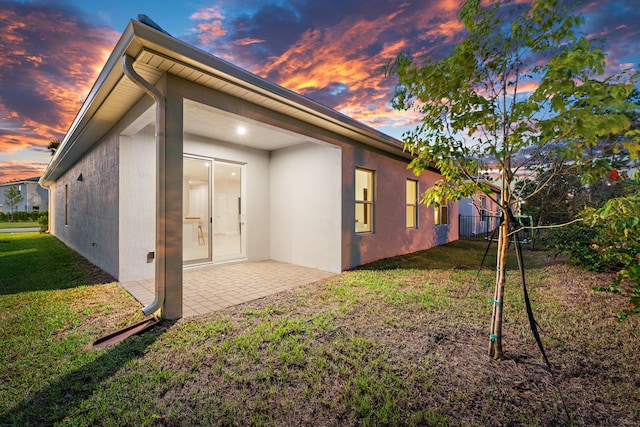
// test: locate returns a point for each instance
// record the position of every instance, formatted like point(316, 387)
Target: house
point(34, 197)
point(479, 215)
point(178, 159)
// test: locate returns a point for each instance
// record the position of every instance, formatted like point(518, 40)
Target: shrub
point(578, 241)
point(19, 216)
point(619, 219)
point(43, 220)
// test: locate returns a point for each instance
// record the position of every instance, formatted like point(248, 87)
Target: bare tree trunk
point(495, 343)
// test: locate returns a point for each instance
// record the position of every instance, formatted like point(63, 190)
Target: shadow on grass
point(39, 262)
point(58, 399)
point(458, 255)
point(461, 254)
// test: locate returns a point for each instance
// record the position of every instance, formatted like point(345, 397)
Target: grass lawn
point(20, 224)
point(399, 342)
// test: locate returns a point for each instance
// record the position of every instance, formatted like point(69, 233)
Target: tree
point(523, 90)
point(53, 146)
point(13, 197)
point(564, 195)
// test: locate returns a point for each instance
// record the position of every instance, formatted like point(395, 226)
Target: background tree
point(564, 194)
point(13, 198)
point(519, 90)
point(53, 146)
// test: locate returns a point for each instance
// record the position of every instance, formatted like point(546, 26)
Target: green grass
point(398, 342)
point(31, 262)
point(20, 224)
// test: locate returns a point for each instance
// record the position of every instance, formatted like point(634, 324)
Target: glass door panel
point(228, 218)
point(196, 210)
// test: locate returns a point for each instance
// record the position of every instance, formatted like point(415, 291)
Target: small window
point(364, 201)
point(66, 204)
point(441, 215)
point(36, 208)
point(412, 204)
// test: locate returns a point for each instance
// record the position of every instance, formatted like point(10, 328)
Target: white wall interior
point(137, 204)
point(306, 214)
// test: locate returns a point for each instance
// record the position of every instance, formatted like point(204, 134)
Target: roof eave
point(137, 37)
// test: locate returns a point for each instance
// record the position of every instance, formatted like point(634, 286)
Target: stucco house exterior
point(479, 215)
point(178, 159)
point(34, 197)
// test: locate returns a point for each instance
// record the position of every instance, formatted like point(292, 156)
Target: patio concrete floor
point(209, 289)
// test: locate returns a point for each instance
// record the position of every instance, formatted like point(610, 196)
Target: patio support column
point(169, 203)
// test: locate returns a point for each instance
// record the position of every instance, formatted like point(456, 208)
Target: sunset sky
point(331, 51)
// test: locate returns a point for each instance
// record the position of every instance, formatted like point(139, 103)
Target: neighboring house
point(180, 159)
point(479, 215)
point(34, 197)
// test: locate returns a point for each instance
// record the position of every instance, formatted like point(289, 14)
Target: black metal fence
point(477, 227)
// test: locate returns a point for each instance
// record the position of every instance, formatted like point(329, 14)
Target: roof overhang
point(156, 53)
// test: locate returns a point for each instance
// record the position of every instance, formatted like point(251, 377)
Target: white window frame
point(368, 203)
point(441, 213)
point(411, 206)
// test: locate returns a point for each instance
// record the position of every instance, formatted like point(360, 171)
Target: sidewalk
point(19, 230)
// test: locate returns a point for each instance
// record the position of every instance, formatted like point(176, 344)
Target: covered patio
point(213, 288)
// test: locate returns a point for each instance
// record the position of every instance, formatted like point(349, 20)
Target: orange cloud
point(247, 41)
point(349, 57)
point(15, 170)
point(207, 14)
point(49, 60)
point(211, 29)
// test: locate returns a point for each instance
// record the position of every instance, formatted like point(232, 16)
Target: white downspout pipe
point(160, 258)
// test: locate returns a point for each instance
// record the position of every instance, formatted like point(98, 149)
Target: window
point(66, 204)
point(36, 208)
point(364, 201)
point(483, 208)
point(441, 215)
point(412, 204)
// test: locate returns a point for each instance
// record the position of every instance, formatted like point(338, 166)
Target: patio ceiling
point(211, 123)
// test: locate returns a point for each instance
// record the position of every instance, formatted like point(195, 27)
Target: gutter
point(152, 91)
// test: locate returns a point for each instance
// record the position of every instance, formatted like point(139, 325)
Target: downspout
point(152, 91)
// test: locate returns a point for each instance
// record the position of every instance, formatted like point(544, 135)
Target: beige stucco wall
point(390, 236)
point(92, 208)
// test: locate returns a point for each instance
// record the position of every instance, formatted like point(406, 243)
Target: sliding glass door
point(213, 220)
point(197, 210)
point(228, 217)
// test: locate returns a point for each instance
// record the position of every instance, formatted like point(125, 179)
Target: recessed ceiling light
point(242, 130)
